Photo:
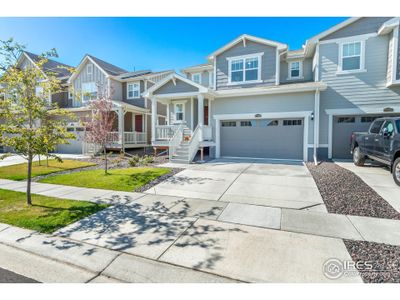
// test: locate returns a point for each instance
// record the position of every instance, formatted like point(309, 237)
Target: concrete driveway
point(286, 184)
point(377, 177)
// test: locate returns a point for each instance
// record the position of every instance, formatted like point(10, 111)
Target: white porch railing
point(135, 137)
point(165, 132)
point(194, 143)
point(207, 133)
point(175, 141)
point(129, 137)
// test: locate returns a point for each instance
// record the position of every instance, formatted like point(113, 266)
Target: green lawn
point(117, 179)
point(46, 214)
point(19, 172)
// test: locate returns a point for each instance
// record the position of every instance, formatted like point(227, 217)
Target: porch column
point(153, 118)
point(121, 127)
point(316, 126)
point(200, 121)
point(168, 122)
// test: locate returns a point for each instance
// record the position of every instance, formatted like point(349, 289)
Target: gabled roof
point(173, 77)
point(107, 67)
point(198, 68)
point(59, 69)
point(245, 37)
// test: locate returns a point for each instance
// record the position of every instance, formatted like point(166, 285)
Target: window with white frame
point(351, 56)
point(89, 69)
point(133, 90)
point(39, 91)
point(179, 112)
point(196, 77)
point(295, 70)
point(244, 69)
point(89, 91)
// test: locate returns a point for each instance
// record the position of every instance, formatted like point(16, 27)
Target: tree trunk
point(28, 186)
point(47, 159)
point(105, 157)
point(40, 163)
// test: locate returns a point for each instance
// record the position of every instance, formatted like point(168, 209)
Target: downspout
point(316, 125)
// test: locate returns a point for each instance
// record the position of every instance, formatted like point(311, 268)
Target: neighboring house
point(131, 129)
point(256, 98)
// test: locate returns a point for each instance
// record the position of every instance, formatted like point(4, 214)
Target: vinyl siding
point(98, 77)
point(268, 64)
point(136, 101)
point(357, 90)
point(205, 77)
point(307, 72)
point(171, 88)
point(362, 26)
point(116, 90)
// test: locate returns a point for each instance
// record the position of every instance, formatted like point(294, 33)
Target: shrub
point(134, 161)
point(146, 160)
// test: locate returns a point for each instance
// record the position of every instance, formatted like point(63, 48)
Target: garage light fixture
point(312, 116)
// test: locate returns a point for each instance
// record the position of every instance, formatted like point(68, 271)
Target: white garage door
point(265, 138)
point(75, 145)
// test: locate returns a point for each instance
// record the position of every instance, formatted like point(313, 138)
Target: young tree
point(30, 124)
point(100, 123)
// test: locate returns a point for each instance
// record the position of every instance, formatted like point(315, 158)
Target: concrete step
point(180, 161)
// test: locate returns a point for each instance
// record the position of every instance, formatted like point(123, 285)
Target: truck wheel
point(396, 171)
point(358, 157)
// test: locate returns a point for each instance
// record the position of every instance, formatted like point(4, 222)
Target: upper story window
point(89, 69)
point(351, 56)
point(245, 69)
point(89, 91)
point(133, 90)
point(196, 78)
point(295, 70)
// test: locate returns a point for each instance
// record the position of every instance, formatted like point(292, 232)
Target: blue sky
point(153, 43)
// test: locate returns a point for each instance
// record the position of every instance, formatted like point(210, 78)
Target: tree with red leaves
point(100, 124)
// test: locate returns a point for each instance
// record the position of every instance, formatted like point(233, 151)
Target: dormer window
point(245, 69)
point(89, 69)
point(295, 70)
point(196, 78)
point(133, 90)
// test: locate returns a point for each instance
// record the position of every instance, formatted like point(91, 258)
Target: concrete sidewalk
point(16, 159)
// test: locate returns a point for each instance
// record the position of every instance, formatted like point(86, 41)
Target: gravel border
point(384, 259)
point(345, 193)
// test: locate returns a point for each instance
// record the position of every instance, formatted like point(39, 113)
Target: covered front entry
point(263, 138)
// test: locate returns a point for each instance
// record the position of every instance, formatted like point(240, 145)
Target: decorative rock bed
point(345, 193)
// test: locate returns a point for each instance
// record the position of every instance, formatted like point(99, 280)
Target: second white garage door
point(266, 138)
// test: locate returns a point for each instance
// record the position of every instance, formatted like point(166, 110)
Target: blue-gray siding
point(179, 87)
point(361, 26)
point(268, 65)
point(307, 72)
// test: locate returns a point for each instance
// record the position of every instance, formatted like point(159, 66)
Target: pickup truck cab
point(381, 143)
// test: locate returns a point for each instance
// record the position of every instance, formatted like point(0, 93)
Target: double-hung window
point(196, 78)
point(351, 56)
point(133, 90)
point(179, 112)
point(89, 91)
point(245, 69)
point(295, 70)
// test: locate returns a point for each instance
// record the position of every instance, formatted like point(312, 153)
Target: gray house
point(256, 98)
point(94, 76)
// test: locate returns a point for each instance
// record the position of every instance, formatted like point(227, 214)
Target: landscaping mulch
point(159, 180)
point(345, 193)
point(385, 260)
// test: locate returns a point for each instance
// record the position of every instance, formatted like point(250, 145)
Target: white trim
point(349, 39)
point(362, 57)
point(198, 68)
point(183, 103)
point(191, 114)
point(210, 79)
point(133, 89)
point(290, 77)
point(215, 75)
point(244, 37)
point(258, 56)
point(196, 74)
point(277, 115)
point(389, 25)
point(316, 124)
point(80, 66)
point(170, 77)
point(330, 135)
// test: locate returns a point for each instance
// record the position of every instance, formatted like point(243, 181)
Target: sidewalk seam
point(355, 227)
point(100, 273)
point(229, 186)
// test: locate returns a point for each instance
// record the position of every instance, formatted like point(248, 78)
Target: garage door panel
point(283, 142)
point(343, 127)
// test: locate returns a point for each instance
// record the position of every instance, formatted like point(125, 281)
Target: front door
point(205, 115)
point(139, 123)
